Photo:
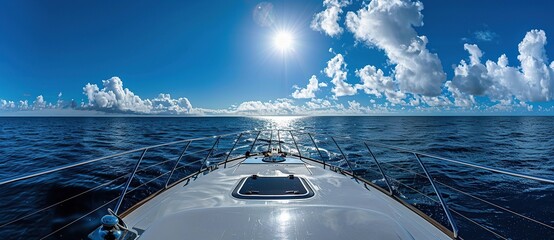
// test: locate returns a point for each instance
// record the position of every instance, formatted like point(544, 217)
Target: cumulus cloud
point(309, 91)
point(336, 70)
point(318, 104)
point(39, 103)
point(472, 78)
point(23, 105)
point(114, 98)
point(314, 106)
point(165, 104)
point(532, 81)
point(374, 82)
point(280, 106)
point(5, 104)
point(438, 101)
point(328, 20)
point(389, 25)
point(460, 99)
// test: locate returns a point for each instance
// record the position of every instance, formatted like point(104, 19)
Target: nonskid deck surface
point(340, 208)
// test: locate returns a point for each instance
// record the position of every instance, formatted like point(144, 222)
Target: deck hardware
point(380, 169)
point(209, 153)
point(279, 140)
point(116, 209)
point(231, 151)
point(316, 147)
point(129, 176)
point(177, 163)
point(345, 158)
point(109, 229)
point(270, 140)
point(442, 202)
point(297, 149)
point(254, 142)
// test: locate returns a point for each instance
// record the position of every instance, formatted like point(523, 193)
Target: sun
point(283, 41)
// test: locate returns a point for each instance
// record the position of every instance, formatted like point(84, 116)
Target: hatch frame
point(304, 183)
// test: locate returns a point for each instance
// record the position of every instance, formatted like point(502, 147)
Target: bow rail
point(193, 160)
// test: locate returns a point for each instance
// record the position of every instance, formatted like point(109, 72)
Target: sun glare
point(280, 122)
point(283, 41)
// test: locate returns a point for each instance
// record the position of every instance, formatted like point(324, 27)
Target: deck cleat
point(109, 230)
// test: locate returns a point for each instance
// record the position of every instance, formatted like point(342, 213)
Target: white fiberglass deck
point(341, 208)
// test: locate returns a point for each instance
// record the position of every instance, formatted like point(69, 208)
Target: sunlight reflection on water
point(280, 122)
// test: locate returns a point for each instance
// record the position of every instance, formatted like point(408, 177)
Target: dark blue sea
point(45, 206)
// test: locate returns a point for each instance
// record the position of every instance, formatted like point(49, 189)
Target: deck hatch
point(286, 187)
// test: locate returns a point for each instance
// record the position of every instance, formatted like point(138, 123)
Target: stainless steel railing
point(417, 156)
point(301, 143)
point(200, 166)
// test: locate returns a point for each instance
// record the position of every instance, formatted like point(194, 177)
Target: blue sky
point(221, 58)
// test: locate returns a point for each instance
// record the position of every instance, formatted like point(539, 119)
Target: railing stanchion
point(231, 151)
point(118, 205)
point(128, 177)
point(254, 142)
point(270, 138)
point(209, 153)
point(441, 200)
point(380, 168)
point(297, 149)
point(467, 164)
point(279, 140)
point(177, 163)
point(316, 147)
point(343, 155)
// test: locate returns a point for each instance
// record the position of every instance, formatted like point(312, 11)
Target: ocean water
point(520, 144)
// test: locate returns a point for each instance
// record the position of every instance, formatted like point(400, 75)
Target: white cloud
point(538, 76)
point(438, 101)
point(472, 78)
point(336, 69)
point(460, 99)
point(374, 82)
point(356, 107)
point(309, 91)
point(485, 36)
point(5, 104)
point(532, 81)
point(327, 21)
point(114, 98)
point(39, 103)
point(316, 104)
point(59, 103)
point(389, 25)
point(281, 106)
point(313, 107)
point(165, 104)
point(23, 105)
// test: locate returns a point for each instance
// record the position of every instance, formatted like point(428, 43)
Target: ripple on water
point(519, 144)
